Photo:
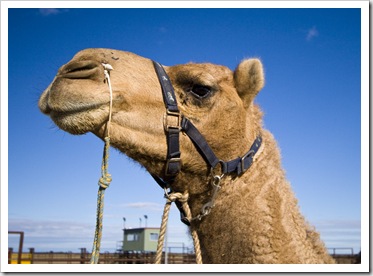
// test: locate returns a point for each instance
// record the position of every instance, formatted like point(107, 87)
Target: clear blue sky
point(311, 101)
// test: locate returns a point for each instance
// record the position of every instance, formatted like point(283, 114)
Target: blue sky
point(311, 101)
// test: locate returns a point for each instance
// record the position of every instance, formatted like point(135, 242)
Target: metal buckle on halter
point(168, 123)
point(249, 153)
point(171, 160)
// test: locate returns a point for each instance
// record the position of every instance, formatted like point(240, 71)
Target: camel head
point(217, 100)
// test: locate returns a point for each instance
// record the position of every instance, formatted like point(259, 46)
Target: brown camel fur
point(255, 218)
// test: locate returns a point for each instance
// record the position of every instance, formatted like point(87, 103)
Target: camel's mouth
point(78, 119)
point(93, 118)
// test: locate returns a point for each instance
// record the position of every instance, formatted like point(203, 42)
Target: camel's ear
point(249, 79)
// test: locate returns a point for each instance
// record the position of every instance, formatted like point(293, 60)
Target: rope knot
point(182, 198)
point(172, 197)
point(105, 181)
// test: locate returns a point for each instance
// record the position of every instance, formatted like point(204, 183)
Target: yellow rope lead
point(183, 198)
point(197, 246)
point(162, 232)
point(104, 182)
point(105, 179)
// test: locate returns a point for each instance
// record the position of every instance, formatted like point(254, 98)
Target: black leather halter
point(174, 122)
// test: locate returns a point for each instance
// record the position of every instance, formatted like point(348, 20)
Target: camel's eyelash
point(200, 91)
point(195, 87)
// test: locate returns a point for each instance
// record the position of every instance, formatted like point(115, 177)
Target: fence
point(341, 255)
point(105, 258)
point(345, 255)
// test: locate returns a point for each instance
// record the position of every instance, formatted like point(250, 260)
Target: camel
point(255, 217)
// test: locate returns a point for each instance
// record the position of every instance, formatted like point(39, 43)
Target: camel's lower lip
point(74, 110)
point(70, 120)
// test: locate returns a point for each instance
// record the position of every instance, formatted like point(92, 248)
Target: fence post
point(10, 253)
point(83, 252)
point(32, 251)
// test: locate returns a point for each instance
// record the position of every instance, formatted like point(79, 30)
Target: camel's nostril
point(86, 69)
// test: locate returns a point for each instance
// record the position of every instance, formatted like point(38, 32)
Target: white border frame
point(363, 267)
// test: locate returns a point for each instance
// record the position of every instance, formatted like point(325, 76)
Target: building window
point(132, 237)
point(153, 236)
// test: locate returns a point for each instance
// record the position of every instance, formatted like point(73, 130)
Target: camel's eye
point(200, 91)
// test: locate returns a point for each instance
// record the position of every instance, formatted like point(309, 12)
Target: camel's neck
point(256, 218)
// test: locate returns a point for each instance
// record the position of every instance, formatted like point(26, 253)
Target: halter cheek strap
point(171, 122)
point(174, 122)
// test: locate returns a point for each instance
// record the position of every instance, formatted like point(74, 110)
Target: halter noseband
point(174, 122)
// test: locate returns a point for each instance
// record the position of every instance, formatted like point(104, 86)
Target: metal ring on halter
point(223, 169)
point(216, 179)
point(167, 193)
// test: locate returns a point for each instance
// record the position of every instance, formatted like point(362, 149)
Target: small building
point(140, 239)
